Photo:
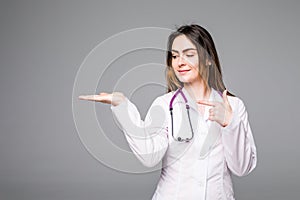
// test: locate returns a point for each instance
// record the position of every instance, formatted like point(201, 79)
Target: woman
point(201, 147)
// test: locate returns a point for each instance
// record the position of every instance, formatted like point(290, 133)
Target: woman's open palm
point(114, 98)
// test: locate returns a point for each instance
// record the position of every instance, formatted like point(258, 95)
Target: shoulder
point(237, 104)
point(164, 99)
point(235, 100)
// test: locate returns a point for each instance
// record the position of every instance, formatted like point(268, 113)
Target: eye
point(174, 56)
point(190, 55)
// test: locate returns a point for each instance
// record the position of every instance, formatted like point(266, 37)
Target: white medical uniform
point(197, 170)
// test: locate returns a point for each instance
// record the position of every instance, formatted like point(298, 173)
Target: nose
point(181, 61)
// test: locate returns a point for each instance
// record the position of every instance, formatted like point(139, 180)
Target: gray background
point(43, 44)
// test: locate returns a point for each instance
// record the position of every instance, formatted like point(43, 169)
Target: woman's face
point(185, 60)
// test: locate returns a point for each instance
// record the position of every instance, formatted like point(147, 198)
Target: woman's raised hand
point(220, 112)
point(114, 98)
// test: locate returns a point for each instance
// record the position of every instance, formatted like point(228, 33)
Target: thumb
point(225, 98)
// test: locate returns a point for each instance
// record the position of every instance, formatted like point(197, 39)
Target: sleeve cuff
point(123, 105)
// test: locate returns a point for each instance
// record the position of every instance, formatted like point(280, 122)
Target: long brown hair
point(210, 74)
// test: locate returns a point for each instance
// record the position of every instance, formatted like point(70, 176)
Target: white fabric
point(200, 169)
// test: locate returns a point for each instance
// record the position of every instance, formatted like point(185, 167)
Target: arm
point(147, 139)
point(238, 142)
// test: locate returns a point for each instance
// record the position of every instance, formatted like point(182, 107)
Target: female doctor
point(198, 130)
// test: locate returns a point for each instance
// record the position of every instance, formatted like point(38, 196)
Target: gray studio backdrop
point(43, 45)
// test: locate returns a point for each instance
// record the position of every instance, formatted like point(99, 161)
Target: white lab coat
point(200, 169)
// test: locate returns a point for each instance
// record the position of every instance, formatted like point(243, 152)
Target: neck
point(198, 90)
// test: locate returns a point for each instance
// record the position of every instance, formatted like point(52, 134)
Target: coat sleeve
point(146, 138)
point(239, 147)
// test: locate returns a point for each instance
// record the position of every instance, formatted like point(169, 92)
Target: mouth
point(183, 71)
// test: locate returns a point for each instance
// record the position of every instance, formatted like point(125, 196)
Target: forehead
point(181, 42)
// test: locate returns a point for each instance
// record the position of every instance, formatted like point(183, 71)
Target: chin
point(185, 79)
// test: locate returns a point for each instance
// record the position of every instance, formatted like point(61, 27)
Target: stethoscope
point(179, 139)
point(179, 91)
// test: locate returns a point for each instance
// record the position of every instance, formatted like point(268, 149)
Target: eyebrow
point(185, 50)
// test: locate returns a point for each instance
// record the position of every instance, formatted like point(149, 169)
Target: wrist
point(227, 119)
point(118, 98)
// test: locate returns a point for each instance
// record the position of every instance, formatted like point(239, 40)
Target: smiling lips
point(183, 71)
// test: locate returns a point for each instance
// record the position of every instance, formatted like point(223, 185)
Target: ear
point(208, 63)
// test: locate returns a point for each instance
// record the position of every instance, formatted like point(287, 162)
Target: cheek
point(174, 64)
point(194, 63)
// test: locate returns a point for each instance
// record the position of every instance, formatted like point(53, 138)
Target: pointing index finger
point(206, 103)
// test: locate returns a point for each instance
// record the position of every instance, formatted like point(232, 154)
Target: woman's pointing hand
point(220, 112)
point(114, 98)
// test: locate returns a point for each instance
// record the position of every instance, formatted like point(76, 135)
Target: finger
point(103, 93)
point(86, 97)
point(83, 97)
point(211, 112)
point(91, 98)
point(225, 98)
point(206, 103)
point(211, 118)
